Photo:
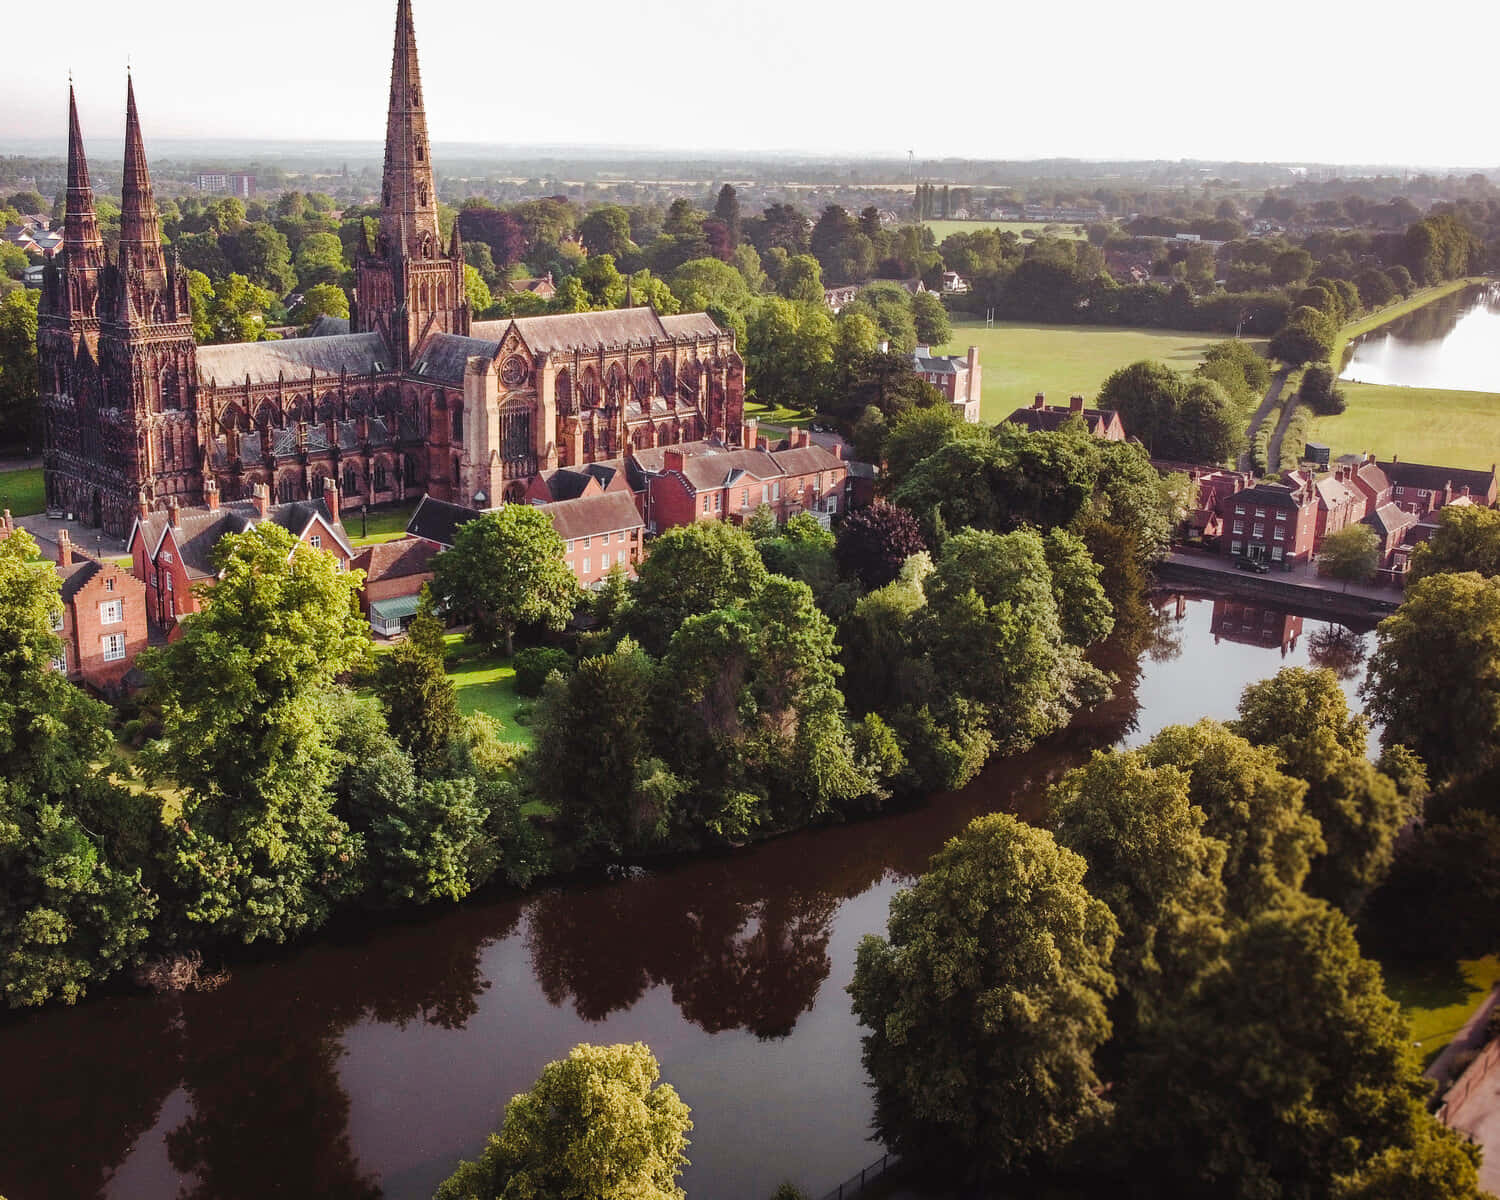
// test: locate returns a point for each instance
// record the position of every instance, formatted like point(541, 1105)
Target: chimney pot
point(671, 460)
point(142, 505)
point(64, 549)
point(211, 494)
point(261, 495)
point(1040, 402)
point(1075, 403)
point(331, 497)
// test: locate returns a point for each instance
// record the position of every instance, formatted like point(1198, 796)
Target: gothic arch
point(515, 493)
point(640, 381)
point(564, 391)
point(588, 388)
point(327, 410)
point(614, 386)
point(233, 418)
point(289, 487)
point(380, 476)
point(351, 478)
point(665, 380)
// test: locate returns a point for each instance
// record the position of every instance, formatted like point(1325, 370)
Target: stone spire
point(140, 230)
point(83, 247)
point(408, 216)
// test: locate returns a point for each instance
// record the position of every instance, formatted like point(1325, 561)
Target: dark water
point(367, 1064)
point(1452, 343)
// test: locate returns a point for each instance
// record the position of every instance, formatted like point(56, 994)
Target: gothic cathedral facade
point(415, 397)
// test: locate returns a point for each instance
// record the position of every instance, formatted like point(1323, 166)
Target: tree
point(1438, 1164)
point(235, 311)
point(1320, 391)
point(692, 569)
point(19, 395)
point(73, 909)
point(421, 704)
point(1351, 554)
point(802, 279)
point(986, 1003)
point(476, 291)
point(1303, 715)
point(1306, 337)
point(595, 1124)
point(1467, 539)
point(257, 852)
point(1434, 679)
point(262, 255)
point(702, 283)
point(1151, 863)
point(874, 542)
point(1282, 1071)
point(606, 230)
point(320, 259)
point(506, 569)
point(1207, 426)
point(1146, 395)
point(933, 326)
point(320, 300)
point(727, 210)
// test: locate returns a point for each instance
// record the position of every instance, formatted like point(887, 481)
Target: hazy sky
point(1287, 80)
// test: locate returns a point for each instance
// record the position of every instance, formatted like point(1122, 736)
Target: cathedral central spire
point(408, 217)
point(82, 245)
point(140, 230)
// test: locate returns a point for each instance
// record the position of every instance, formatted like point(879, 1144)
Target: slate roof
point(199, 528)
point(438, 521)
point(396, 560)
point(1434, 479)
point(1390, 519)
point(1054, 417)
point(588, 516)
point(1333, 492)
point(938, 365)
point(688, 325)
point(708, 465)
point(292, 359)
point(444, 356)
point(327, 326)
point(75, 576)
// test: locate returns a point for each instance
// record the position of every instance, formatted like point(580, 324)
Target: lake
point(1452, 343)
point(366, 1063)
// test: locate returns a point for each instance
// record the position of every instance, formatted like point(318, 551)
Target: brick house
point(1042, 417)
point(1272, 522)
point(1422, 489)
point(959, 379)
point(600, 532)
point(1340, 503)
point(704, 481)
point(102, 622)
point(1254, 624)
point(171, 550)
point(394, 575)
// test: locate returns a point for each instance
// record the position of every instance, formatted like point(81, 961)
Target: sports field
point(1020, 360)
point(941, 229)
point(1423, 425)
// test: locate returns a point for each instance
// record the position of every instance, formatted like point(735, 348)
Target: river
point(367, 1063)
point(1450, 343)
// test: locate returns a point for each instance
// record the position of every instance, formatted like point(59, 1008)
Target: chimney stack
point(261, 494)
point(64, 549)
point(174, 513)
point(1040, 402)
point(1075, 404)
point(331, 498)
point(752, 432)
point(973, 358)
point(142, 505)
point(211, 494)
point(672, 460)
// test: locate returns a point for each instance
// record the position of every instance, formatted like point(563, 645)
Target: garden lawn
point(1020, 360)
point(1438, 997)
point(941, 229)
point(780, 416)
point(486, 683)
point(380, 524)
point(23, 492)
point(1422, 425)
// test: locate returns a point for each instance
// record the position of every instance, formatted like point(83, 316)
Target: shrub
point(535, 664)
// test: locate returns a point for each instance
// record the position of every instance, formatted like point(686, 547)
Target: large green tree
point(1434, 679)
point(19, 397)
point(692, 569)
point(1351, 554)
point(421, 703)
point(1467, 539)
point(595, 1125)
point(506, 569)
point(985, 1004)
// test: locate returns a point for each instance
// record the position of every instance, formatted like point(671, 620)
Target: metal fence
point(856, 1184)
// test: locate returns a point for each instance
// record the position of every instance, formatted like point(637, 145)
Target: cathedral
point(413, 397)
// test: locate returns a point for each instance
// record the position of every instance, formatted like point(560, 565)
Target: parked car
point(1258, 565)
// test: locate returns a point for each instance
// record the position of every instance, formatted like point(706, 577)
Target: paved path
point(1273, 394)
point(91, 541)
point(1273, 451)
point(1302, 575)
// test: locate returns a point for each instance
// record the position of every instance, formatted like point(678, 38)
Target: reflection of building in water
point(1255, 624)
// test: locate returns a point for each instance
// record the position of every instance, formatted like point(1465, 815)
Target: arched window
point(420, 152)
point(458, 423)
point(640, 381)
point(614, 385)
point(456, 469)
point(588, 388)
point(381, 483)
point(286, 489)
point(565, 392)
point(171, 398)
point(351, 480)
point(422, 194)
point(409, 470)
point(664, 377)
point(327, 411)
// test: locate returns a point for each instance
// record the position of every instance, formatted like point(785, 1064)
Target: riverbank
point(1391, 312)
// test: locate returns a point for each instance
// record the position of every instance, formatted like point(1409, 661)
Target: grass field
point(780, 417)
point(486, 683)
point(380, 524)
point(941, 229)
point(1021, 360)
point(22, 492)
point(1423, 425)
point(1437, 998)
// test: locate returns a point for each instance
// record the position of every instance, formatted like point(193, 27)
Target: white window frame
point(56, 619)
point(111, 612)
point(112, 645)
point(1236, 548)
point(315, 540)
point(585, 566)
point(60, 661)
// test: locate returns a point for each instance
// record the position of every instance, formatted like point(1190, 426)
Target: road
point(1273, 394)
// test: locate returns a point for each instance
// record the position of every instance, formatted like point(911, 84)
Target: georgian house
point(1272, 522)
point(1042, 417)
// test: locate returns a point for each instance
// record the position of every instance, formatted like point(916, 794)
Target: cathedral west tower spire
point(140, 229)
point(408, 197)
point(82, 244)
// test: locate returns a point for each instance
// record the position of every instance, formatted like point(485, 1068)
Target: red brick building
point(394, 575)
point(959, 379)
point(600, 532)
point(172, 550)
point(1042, 417)
point(1254, 624)
point(1272, 522)
point(102, 623)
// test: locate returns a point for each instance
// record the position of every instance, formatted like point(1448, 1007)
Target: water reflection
point(366, 1064)
point(1449, 343)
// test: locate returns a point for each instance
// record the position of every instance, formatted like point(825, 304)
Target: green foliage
point(1467, 539)
point(985, 1005)
point(692, 569)
point(1320, 392)
point(595, 1124)
point(323, 299)
point(933, 327)
point(1306, 337)
point(506, 569)
point(19, 394)
point(801, 279)
point(1434, 678)
point(1439, 1164)
point(1237, 368)
point(421, 704)
point(1351, 554)
point(533, 665)
point(426, 629)
point(1302, 714)
point(1194, 420)
point(788, 351)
